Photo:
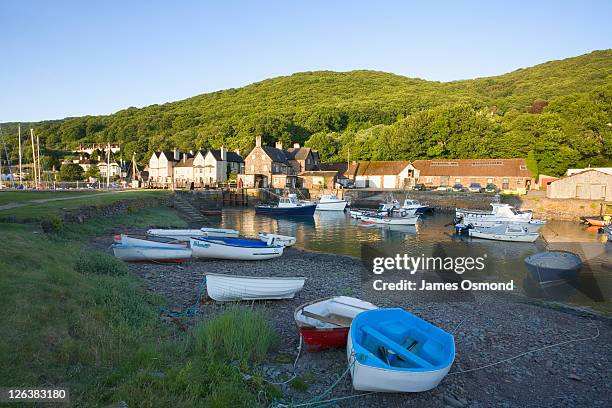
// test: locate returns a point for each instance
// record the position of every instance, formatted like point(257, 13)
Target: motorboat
point(392, 350)
point(531, 225)
point(499, 213)
point(330, 202)
point(325, 323)
point(276, 239)
point(386, 220)
point(227, 288)
point(415, 207)
point(600, 221)
point(504, 232)
point(287, 206)
point(234, 248)
point(141, 250)
point(553, 266)
point(186, 234)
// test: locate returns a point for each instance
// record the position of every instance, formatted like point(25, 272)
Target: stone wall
point(79, 215)
point(559, 209)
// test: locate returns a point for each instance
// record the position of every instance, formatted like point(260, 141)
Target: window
point(252, 168)
point(490, 180)
point(444, 164)
point(265, 167)
point(429, 179)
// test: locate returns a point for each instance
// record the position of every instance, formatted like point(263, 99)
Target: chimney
point(257, 141)
point(177, 155)
point(223, 153)
point(191, 152)
point(184, 157)
point(237, 151)
point(279, 145)
point(296, 145)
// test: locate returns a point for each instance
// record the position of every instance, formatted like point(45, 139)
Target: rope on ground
point(294, 367)
point(527, 352)
point(191, 310)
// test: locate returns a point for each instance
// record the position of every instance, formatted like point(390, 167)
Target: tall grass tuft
point(100, 264)
point(236, 334)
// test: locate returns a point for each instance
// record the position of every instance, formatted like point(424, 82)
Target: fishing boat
point(356, 214)
point(386, 220)
point(553, 266)
point(391, 350)
point(329, 202)
point(234, 248)
point(415, 207)
point(325, 323)
point(504, 232)
point(186, 234)
point(276, 239)
point(227, 288)
point(499, 213)
point(287, 206)
point(134, 249)
point(531, 225)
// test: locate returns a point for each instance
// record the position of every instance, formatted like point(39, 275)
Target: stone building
point(586, 185)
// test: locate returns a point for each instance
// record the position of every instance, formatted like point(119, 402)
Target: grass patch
point(299, 384)
point(72, 317)
point(239, 334)
point(33, 209)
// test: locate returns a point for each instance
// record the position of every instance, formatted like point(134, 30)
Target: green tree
point(93, 171)
point(71, 172)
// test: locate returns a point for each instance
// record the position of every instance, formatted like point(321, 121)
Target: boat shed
point(586, 185)
point(380, 174)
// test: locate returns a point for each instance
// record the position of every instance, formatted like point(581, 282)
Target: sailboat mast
point(108, 166)
point(34, 158)
point(20, 172)
point(38, 159)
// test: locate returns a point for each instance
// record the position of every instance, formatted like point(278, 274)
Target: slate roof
point(298, 153)
point(275, 154)
point(231, 156)
point(185, 163)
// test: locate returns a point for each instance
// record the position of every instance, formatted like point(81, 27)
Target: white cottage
point(161, 166)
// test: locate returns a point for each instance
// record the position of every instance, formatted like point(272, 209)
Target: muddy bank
point(488, 330)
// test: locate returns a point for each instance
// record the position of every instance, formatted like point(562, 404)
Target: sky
point(70, 58)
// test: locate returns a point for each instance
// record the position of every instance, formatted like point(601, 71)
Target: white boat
point(414, 206)
point(499, 213)
point(329, 202)
point(227, 288)
point(356, 214)
point(385, 220)
point(276, 239)
point(391, 350)
point(134, 249)
point(531, 226)
point(157, 241)
point(505, 232)
point(234, 248)
point(186, 234)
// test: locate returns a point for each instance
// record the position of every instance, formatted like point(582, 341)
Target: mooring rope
point(191, 310)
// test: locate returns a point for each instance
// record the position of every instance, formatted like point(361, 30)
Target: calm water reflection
point(337, 233)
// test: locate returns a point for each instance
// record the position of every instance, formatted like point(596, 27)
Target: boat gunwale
point(296, 278)
point(215, 240)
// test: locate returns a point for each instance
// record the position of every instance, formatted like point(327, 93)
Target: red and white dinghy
point(325, 323)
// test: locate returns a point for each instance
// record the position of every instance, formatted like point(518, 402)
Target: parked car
point(491, 188)
point(475, 188)
point(443, 188)
point(457, 188)
point(419, 187)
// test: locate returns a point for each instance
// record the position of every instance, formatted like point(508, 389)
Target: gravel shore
point(490, 329)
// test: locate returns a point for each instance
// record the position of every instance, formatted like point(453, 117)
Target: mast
point(20, 172)
point(108, 166)
point(34, 158)
point(40, 179)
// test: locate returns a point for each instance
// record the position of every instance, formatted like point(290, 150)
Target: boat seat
point(396, 348)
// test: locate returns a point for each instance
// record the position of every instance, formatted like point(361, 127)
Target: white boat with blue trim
point(391, 350)
point(186, 234)
point(227, 288)
point(242, 249)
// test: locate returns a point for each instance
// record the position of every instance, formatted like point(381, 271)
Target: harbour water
point(337, 233)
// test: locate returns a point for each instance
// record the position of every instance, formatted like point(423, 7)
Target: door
point(582, 191)
point(598, 192)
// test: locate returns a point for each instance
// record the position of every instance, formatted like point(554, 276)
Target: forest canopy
point(557, 114)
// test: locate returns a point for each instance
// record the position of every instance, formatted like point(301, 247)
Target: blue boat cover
point(237, 242)
point(394, 339)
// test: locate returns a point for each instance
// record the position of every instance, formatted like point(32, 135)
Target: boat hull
point(508, 237)
point(339, 205)
point(284, 240)
point(531, 226)
point(300, 211)
point(367, 378)
point(134, 253)
point(186, 234)
point(234, 249)
point(391, 220)
point(321, 339)
point(227, 288)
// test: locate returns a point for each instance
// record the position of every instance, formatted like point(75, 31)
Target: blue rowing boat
point(391, 350)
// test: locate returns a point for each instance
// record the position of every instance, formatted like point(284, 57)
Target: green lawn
point(76, 318)
point(7, 197)
point(37, 210)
